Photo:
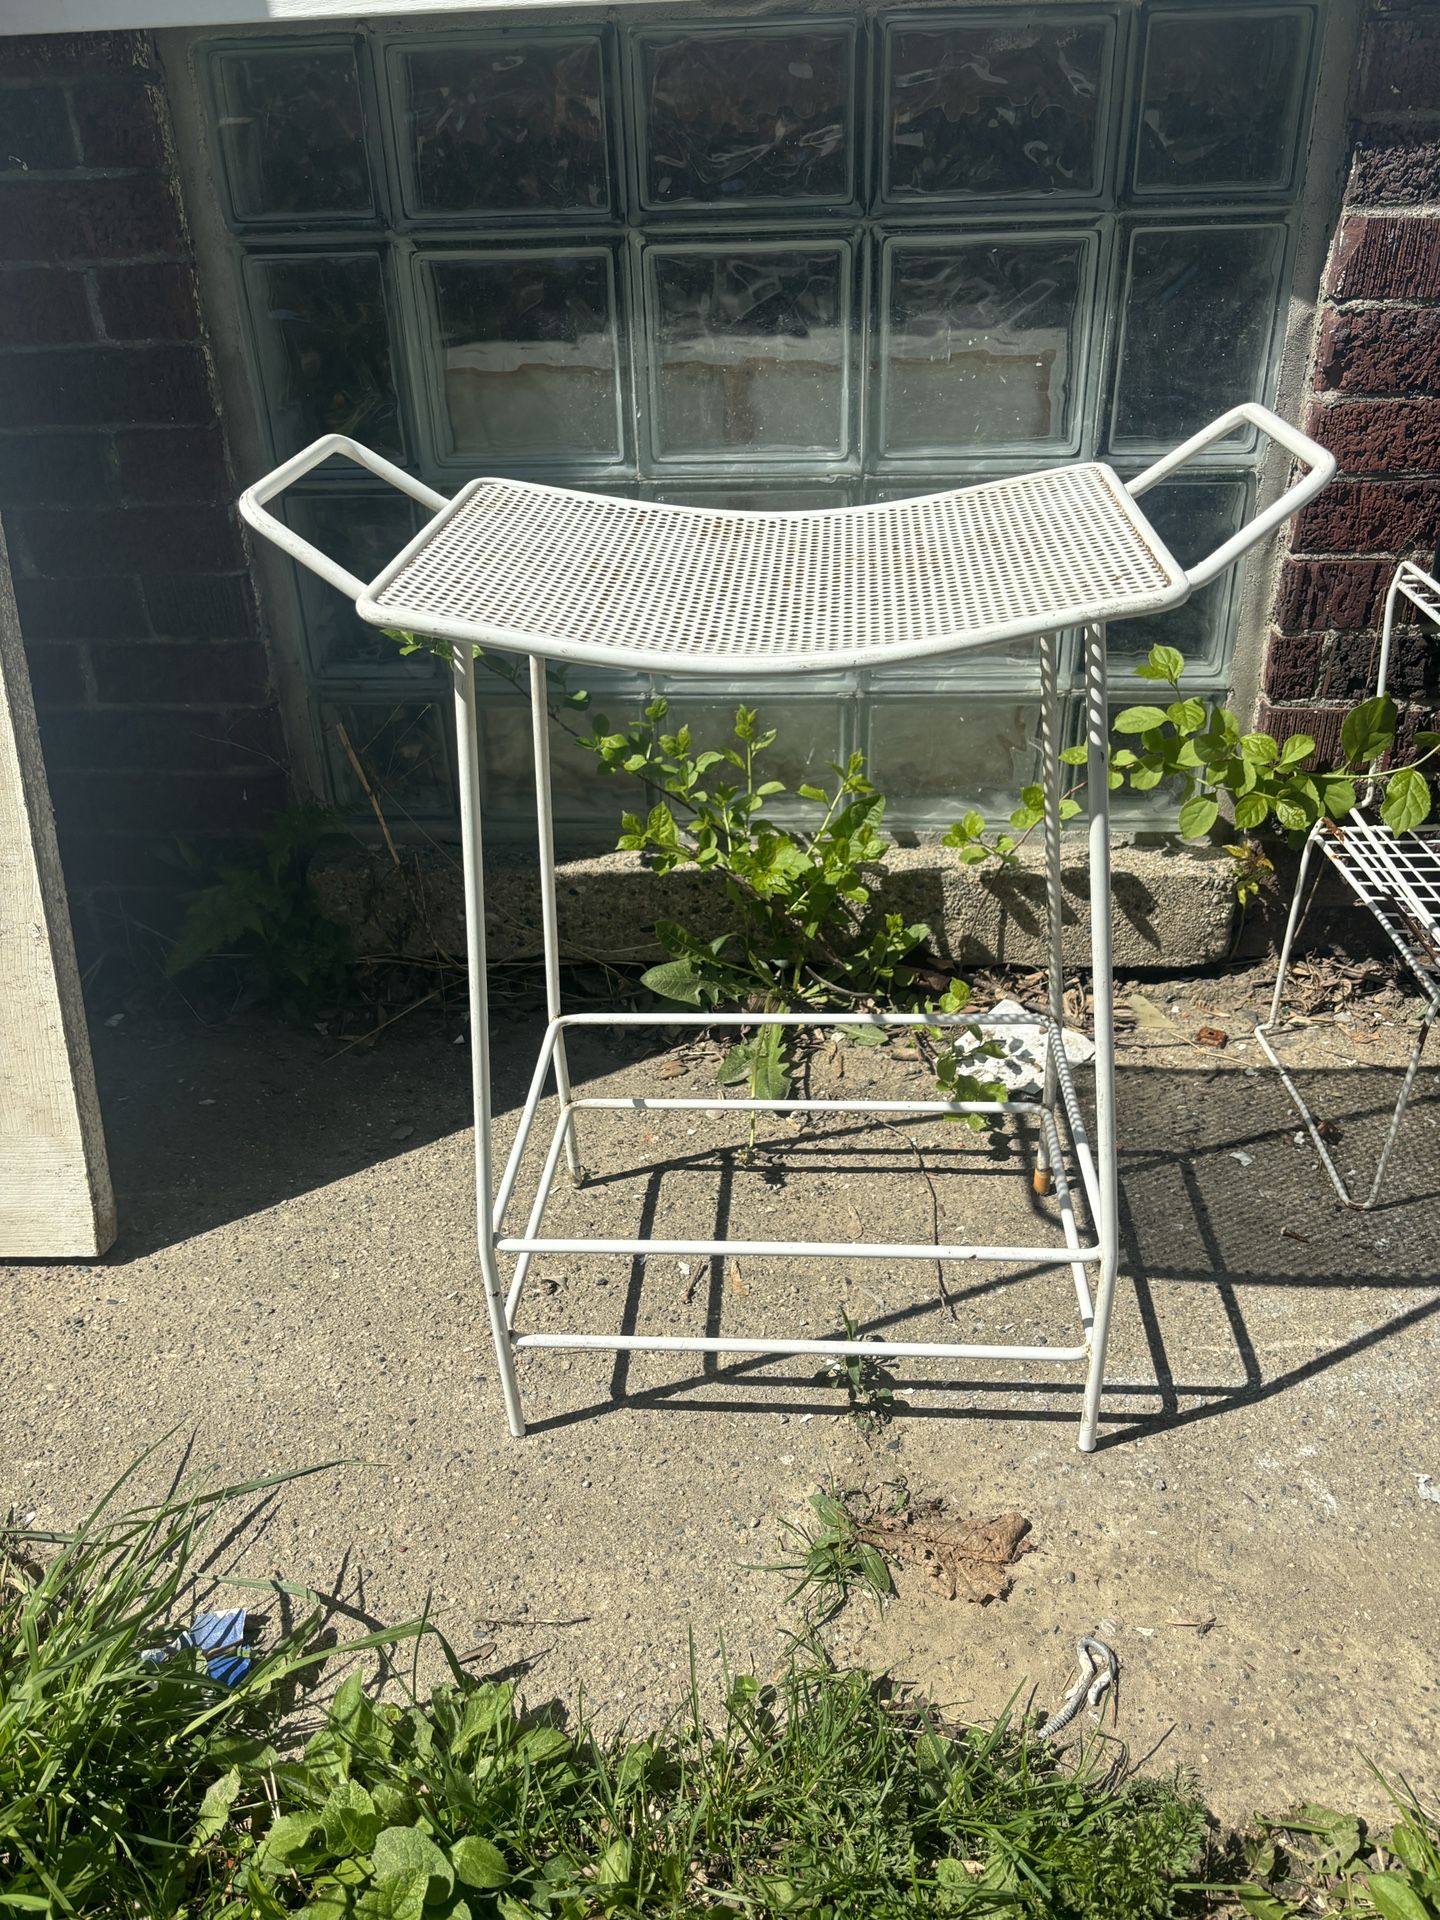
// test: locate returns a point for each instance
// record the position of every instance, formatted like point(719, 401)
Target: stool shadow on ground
point(1227, 1209)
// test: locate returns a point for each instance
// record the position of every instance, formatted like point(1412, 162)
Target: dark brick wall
point(1374, 399)
point(150, 677)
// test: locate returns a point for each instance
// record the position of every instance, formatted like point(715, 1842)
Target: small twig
point(350, 754)
point(945, 1296)
point(424, 1000)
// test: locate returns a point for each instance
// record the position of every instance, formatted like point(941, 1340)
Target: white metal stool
point(1397, 876)
point(553, 574)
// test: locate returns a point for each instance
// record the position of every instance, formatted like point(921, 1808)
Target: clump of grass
point(1317, 1859)
point(834, 1561)
point(109, 1764)
point(150, 1792)
point(868, 1384)
point(818, 1795)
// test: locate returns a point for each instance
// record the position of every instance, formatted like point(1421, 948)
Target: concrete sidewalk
point(294, 1282)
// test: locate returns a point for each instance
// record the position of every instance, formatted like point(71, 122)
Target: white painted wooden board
point(55, 1197)
point(87, 16)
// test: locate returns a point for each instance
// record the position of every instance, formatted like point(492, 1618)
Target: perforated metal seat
point(631, 583)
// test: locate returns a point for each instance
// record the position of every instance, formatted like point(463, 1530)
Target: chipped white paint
point(55, 1197)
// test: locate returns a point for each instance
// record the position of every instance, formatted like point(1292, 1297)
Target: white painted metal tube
point(1066, 1204)
point(549, 916)
point(764, 1343)
point(537, 1211)
point(798, 1250)
point(1079, 1137)
point(253, 501)
point(468, 755)
point(644, 1103)
point(527, 1120)
point(1107, 1223)
point(1050, 744)
point(1319, 460)
point(869, 1019)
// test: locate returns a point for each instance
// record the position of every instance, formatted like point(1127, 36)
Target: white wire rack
point(1395, 876)
point(553, 574)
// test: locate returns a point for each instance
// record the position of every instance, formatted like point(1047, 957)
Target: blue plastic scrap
point(220, 1637)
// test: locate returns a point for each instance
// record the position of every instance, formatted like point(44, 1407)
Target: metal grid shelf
point(1397, 878)
point(552, 574)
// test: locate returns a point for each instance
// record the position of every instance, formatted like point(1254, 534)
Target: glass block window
point(778, 262)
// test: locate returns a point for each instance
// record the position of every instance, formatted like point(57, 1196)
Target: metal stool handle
point(1318, 459)
point(253, 500)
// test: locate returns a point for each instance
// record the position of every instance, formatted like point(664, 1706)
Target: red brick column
point(1375, 397)
point(139, 621)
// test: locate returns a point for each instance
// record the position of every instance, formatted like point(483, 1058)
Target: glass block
point(739, 117)
point(1192, 517)
point(750, 351)
point(1222, 100)
point(403, 748)
point(501, 125)
point(1200, 310)
point(935, 755)
point(363, 532)
point(780, 497)
point(582, 792)
point(290, 129)
point(809, 728)
point(990, 106)
point(526, 356)
point(323, 334)
point(986, 344)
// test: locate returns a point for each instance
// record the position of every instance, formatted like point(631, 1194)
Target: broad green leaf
point(1075, 756)
point(404, 1851)
point(1297, 748)
point(1261, 1905)
point(674, 980)
point(1198, 816)
point(612, 1870)
point(1290, 814)
point(479, 1863)
point(1251, 811)
point(292, 1833)
point(1368, 730)
point(220, 1797)
point(1187, 715)
point(813, 793)
point(351, 1821)
point(1396, 1899)
point(1407, 801)
point(1339, 797)
point(770, 1074)
point(1168, 663)
point(735, 1067)
point(1260, 749)
point(866, 1036)
point(1138, 719)
point(395, 1896)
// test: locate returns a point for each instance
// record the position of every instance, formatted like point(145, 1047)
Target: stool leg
point(1097, 782)
point(1406, 1088)
point(1054, 898)
point(549, 919)
point(468, 757)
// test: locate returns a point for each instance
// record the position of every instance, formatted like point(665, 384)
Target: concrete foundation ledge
point(1173, 905)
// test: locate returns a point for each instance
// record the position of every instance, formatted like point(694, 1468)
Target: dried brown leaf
point(969, 1559)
